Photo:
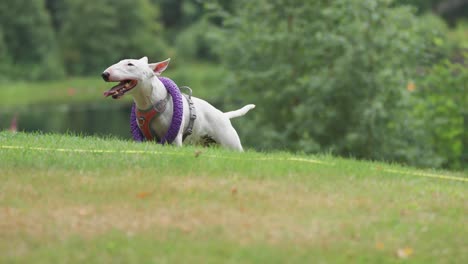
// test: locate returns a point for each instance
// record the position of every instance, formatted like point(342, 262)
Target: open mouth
point(120, 89)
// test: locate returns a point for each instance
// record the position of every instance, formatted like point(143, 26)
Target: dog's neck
point(148, 93)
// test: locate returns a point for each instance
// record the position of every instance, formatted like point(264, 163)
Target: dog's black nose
point(105, 76)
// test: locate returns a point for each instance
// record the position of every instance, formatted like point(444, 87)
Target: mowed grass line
point(194, 205)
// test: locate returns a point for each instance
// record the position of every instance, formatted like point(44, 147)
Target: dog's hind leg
point(229, 139)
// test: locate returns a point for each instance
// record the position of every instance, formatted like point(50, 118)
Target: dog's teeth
point(127, 85)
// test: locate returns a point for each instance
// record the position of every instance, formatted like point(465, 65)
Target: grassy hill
point(69, 199)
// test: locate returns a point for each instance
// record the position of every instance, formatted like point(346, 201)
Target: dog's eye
point(130, 64)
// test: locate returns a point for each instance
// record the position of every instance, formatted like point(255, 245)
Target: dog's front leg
point(178, 140)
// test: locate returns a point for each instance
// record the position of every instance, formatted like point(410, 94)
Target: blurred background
point(367, 79)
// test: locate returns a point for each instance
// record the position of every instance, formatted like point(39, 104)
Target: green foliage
point(458, 36)
point(181, 13)
point(172, 15)
point(420, 5)
point(444, 97)
point(56, 9)
point(196, 41)
point(29, 40)
point(119, 29)
point(5, 61)
point(450, 10)
point(190, 25)
point(342, 88)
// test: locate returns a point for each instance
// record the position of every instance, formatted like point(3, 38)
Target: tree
point(330, 76)
point(5, 61)
point(451, 10)
point(172, 15)
point(189, 25)
point(113, 30)
point(29, 39)
point(56, 10)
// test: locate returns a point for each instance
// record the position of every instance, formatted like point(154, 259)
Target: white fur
point(210, 121)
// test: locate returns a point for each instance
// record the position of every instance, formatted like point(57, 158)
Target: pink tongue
point(116, 89)
point(110, 92)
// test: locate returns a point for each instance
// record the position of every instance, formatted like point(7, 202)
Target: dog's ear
point(144, 59)
point(159, 67)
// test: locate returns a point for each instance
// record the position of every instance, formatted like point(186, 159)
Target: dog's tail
point(239, 112)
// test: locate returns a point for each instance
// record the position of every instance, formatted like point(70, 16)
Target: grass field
point(69, 199)
point(202, 78)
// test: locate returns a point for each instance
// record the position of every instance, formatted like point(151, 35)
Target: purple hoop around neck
point(177, 114)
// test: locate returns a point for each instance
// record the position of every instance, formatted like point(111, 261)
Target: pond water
point(89, 119)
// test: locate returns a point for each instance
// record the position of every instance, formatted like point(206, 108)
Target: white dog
point(140, 80)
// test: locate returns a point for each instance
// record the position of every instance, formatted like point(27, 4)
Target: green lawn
point(202, 78)
point(14, 94)
point(69, 199)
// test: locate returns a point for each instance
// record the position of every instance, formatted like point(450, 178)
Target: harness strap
point(144, 117)
point(192, 112)
point(140, 120)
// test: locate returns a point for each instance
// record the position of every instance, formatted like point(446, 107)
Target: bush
point(444, 97)
point(332, 76)
point(458, 37)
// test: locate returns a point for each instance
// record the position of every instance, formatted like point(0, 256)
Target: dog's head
point(130, 73)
